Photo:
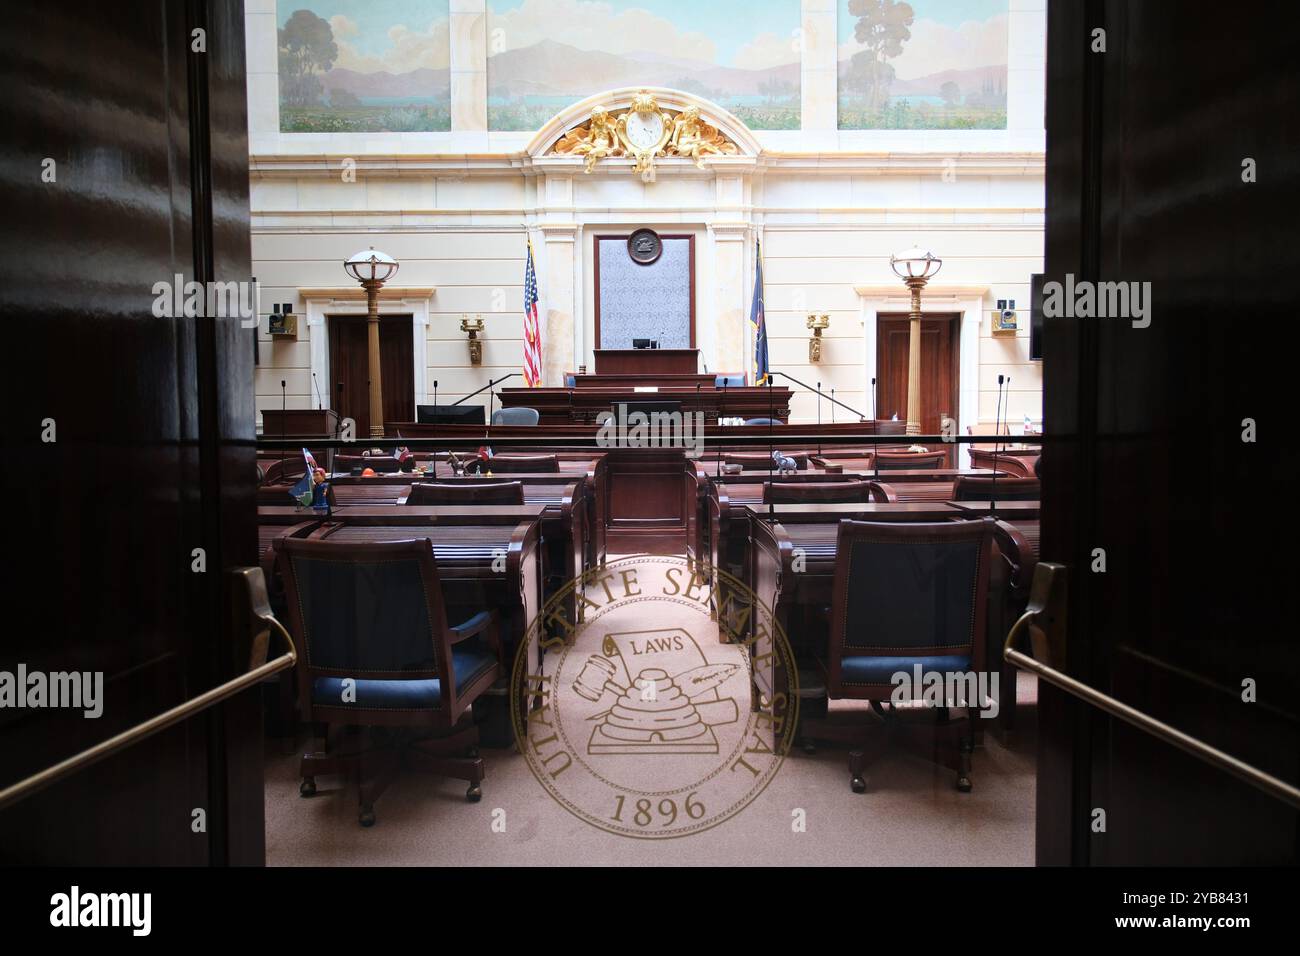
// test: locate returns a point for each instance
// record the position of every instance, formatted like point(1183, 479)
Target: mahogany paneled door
point(1191, 620)
point(939, 356)
point(350, 369)
point(147, 462)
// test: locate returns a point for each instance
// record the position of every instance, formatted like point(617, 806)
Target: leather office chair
point(905, 595)
point(907, 460)
point(516, 416)
point(805, 492)
point(729, 380)
point(763, 421)
point(379, 659)
point(494, 493)
point(525, 463)
point(979, 488)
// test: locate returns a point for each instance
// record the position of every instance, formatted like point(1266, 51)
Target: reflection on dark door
point(938, 369)
point(130, 452)
point(1169, 513)
point(350, 368)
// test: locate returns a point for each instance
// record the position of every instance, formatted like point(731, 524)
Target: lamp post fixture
point(915, 267)
point(372, 269)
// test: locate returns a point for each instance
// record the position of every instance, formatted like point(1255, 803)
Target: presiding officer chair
point(908, 595)
point(380, 667)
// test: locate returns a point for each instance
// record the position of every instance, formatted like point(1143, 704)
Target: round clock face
point(644, 130)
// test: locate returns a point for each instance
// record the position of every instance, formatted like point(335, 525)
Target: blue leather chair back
point(979, 488)
point(515, 416)
point(367, 610)
point(763, 421)
point(729, 379)
point(907, 593)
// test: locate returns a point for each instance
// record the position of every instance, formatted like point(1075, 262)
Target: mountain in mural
point(415, 83)
point(528, 85)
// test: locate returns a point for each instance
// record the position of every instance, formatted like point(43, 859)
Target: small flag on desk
point(757, 318)
point(532, 327)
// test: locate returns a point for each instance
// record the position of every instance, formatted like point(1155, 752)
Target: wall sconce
point(475, 343)
point(817, 323)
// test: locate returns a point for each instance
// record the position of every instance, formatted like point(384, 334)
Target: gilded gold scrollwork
point(685, 134)
point(594, 141)
point(694, 139)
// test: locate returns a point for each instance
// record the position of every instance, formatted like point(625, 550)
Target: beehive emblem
point(655, 706)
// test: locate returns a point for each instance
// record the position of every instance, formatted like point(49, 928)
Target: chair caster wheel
point(474, 794)
point(808, 747)
point(963, 784)
point(472, 753)
point(859, 785)
point(308, 787)
point(367, 817)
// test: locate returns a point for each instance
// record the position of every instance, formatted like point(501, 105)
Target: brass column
point(372, 348)
point(915, 267)
point(372, 269)
point(914, 359)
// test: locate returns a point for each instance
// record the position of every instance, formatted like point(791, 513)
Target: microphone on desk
point(997, 447)
point(315, 386)
point(875, 423)
point(283, 406)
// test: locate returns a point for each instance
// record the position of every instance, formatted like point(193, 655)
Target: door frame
point(967, 302)
point(322, 303)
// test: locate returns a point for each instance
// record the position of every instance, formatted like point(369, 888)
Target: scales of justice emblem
point(649, 704)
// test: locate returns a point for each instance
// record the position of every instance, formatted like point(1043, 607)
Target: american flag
point(532, 329)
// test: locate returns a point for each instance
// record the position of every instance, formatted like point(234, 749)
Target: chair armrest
point(477, 624)
point(882, 492)
point(1018, 553)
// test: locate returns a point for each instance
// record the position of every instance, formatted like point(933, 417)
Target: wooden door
point(350, 368)
point(1146, 150)
point(129, 444)
point(939, 353)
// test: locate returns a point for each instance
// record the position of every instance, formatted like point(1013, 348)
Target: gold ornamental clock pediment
point(643, 131)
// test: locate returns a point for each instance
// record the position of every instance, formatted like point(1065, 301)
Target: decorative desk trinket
point(785, 465)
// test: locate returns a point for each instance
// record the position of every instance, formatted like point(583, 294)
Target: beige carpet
point(910, 815)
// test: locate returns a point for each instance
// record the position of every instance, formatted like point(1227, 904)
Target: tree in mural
point(882, 28)
point(307, 48)
point(951, 93)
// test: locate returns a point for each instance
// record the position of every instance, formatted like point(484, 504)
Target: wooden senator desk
point(575, 458)
point(570, 501)
point(581, 404)
point(725, 518)
point(724, 525)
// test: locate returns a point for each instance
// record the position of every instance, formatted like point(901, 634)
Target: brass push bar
point(1049, 579)
point(260, 609)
